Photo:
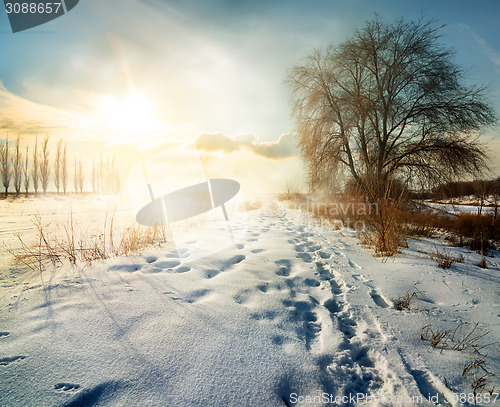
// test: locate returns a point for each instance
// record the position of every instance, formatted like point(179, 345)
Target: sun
point(129, 118)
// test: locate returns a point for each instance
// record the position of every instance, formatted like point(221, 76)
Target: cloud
point(217, 142)
point(284, 147)
point(24, 117)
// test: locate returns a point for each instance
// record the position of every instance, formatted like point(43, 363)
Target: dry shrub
point(445, 258)
point(384, 231)
point(482, 263)
point(291, 193)
point(376, 215)
point(477, 230)
point(384, 228)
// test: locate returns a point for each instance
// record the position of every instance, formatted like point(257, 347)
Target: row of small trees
point(16, 167)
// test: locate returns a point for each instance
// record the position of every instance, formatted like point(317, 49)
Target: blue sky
point(207, 66)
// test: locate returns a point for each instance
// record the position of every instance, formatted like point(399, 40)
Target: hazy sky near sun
point(206, 67)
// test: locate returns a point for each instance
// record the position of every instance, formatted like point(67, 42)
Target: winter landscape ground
point(294, 314)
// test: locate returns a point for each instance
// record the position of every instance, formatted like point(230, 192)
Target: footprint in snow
point(197, 295)
point(335, 288)
point(4, 334)
point(283, 272)
point(311, 326)
point(190, 298)
point(332, 306)
point(66, 386)
point(378, 300)
point(324, 255)
point(8, 360)
point(305, 257)
point(237, 259)
point(242, 296)
point(168, 264)
point(263, 287)
point(300, 248)
point(131, 268)
point(182, 269)
point(311, 282)
point(353, 265)
point(211, 273)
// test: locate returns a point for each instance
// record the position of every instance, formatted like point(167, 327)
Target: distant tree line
point(18, 170)
point(460, 189)
point(486, 192)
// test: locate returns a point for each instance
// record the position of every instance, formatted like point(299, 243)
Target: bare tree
point(34, 169)
point(57, 165)
point(26, 172)
point(5, 166)
point(75, 178)
point(93, 176)
point(100, 175)
point(495, 197)
point(389, 102)
point(44, 165)
point(80, 176)
point(64, 168)
point(17, 163)
point(481, 193)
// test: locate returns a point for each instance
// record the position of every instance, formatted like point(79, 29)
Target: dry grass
point(403, 301)
point(464, 336)
point(468, 337)
point(479, 375)
point(81, 245)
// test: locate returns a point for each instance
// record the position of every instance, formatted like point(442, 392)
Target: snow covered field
point(293, 314)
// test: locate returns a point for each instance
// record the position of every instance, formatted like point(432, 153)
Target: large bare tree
point(388, 102)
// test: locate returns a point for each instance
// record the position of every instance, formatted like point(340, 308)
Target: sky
point(134, 77)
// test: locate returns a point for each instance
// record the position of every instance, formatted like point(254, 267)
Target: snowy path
point(287, 312)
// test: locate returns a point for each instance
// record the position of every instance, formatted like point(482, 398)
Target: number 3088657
point(32, 8)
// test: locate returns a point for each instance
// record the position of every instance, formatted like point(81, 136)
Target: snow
point(456, 209)
point(295, 313)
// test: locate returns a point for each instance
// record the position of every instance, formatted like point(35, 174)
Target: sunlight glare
point(130, 118)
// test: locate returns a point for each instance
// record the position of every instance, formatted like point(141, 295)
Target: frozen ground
point(293, 314)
